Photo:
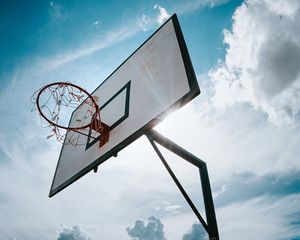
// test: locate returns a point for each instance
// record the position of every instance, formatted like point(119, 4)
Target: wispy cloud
point(144, 22)
point(194, 5)
point(267, 218)
point(107, 40)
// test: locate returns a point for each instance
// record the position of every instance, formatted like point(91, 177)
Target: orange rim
point(79, 88)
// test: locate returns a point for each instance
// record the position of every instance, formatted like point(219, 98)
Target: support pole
point(183, 192)
point(208, 202)
point(211, 223)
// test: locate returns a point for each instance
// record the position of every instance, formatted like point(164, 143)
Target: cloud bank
point(264, 218)
point(74, 233)
point(262, 65)
point(152, 231)
point(196, 233)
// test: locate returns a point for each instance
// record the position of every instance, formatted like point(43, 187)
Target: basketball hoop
point(65, 97)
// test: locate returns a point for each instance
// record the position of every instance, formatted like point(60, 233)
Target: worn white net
point(69, 111)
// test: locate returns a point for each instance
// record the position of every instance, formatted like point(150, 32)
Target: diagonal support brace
point(211, 225)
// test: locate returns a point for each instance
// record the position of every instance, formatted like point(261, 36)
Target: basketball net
point(56, 102)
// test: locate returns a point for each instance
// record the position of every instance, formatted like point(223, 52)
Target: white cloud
point(163, 14)
point(262, 65)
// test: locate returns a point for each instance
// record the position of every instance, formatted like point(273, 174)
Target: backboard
point(154, 80)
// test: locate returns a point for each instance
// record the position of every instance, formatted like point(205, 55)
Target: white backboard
point(156, 79)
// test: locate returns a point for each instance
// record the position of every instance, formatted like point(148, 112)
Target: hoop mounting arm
point(103, 129)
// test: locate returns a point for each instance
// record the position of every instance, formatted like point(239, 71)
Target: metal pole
point(208, 203)
point(211, 226)
point(187, 198)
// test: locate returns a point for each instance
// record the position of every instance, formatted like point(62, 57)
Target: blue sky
point(245, 123)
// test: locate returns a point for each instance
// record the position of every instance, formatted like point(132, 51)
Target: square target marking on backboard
point(118, 106)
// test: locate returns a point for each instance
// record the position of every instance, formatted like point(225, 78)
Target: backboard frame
point(194, 91)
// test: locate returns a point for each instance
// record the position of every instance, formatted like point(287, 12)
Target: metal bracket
point(103, 129)
point(210, 225)
point(104, 134)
